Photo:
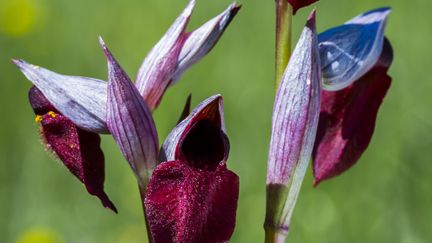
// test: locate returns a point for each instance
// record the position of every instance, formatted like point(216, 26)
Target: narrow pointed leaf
point(130, 121)
point(347, 120)
point(80, 99)
point(193, 198)
point(295, 120)
point(349, 51)
point(79, 150)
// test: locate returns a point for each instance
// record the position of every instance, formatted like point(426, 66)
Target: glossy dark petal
point(298, 4)
point(79, 150)
point(210, 110)
point(349, 51)
point(347, 120)
point(80, 99)
point(294, 125)
point(130, 121)
point(185, 204)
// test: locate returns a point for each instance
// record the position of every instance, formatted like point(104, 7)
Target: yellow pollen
point(38, 118)
point(52, 114)
point(72, 145)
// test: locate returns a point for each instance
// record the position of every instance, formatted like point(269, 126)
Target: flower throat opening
point(205, 145)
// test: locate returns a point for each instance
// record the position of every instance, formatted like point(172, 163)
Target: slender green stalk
point(272, 236)
point(283, 37)
point(143, 189)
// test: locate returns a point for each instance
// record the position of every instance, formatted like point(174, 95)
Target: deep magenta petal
point(298, 4)
point(347, 120)
point(79, 150)
point(185, 204)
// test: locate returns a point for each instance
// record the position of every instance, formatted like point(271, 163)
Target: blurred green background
point(386, 197)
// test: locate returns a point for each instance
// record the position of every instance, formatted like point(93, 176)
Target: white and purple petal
point(158, 67)
point(130, 121)
point(349, 51)
point(80, 99)
point(202, 40)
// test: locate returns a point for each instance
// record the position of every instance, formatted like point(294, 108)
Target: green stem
point(143, 189)
point(272, 236)
point(284, 13)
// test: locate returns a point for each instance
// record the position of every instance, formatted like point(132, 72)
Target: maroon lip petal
point(298, 4)
point(347, 120)
point(79, 150)
point(130, 120)
point(192, 196)
point(184, 204)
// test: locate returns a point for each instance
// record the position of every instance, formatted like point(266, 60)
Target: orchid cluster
point(185, 185)
point(328, 95)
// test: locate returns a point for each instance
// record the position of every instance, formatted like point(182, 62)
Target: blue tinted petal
point(349, 51)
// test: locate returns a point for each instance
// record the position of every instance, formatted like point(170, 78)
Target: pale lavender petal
point(130, 121)
point(201, 41)
point(295, 120)
point(210, 109)
point(81, 99)
point(158, 67)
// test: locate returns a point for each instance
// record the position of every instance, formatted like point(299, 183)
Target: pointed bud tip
point(235, 8)
point(105, 49)
point(18, 62)
point(311, 22)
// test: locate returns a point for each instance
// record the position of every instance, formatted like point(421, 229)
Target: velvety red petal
point(298, 4)
point(79, 150)
point(186, 204)
point(347, 122)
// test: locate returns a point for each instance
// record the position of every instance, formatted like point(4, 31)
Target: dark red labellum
point(347, 120)
point(79, 150)
point(193, 197)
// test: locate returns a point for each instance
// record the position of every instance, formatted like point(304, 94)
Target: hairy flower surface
point(192, 196)
point(79, 150)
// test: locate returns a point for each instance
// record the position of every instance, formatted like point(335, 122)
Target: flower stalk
point(284, 12)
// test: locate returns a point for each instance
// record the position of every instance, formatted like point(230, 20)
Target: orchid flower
point(191, 196)
point(326, 106)
point(72, 109)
